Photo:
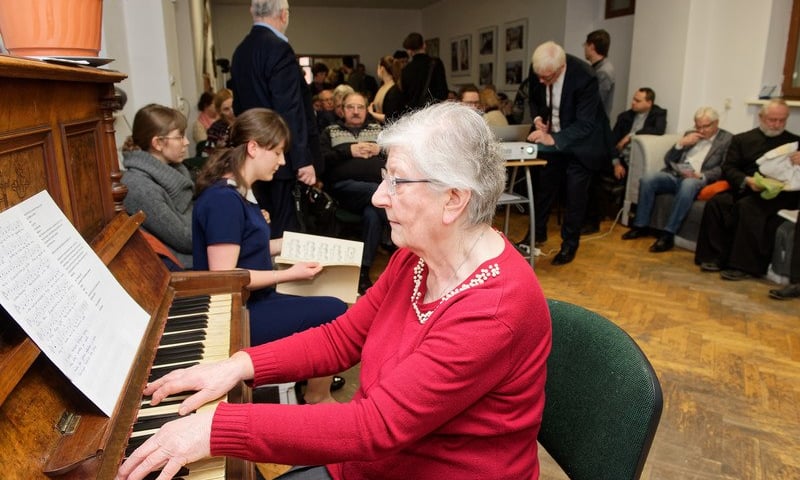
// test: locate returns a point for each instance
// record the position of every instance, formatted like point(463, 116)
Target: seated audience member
point(230, 232)
point(158, 182)
point(388, 102)
point(452, 96)
point(793, 289)
point(491, 107)
point(207, 116)
point(643, 118)
point(737, 232)
point(219, 131)
point(470, 95)
point(694, 162)
point(331, 117)
point(319, 76)
point(453, 341)
point(326, 100)
point(353, 163)
point(352, 76)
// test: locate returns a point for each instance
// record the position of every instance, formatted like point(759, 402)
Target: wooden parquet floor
point(727, 356)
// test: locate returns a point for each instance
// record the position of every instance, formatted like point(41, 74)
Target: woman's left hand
point(176, 444)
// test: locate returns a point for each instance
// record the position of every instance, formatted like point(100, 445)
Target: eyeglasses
point(393, 181)
point(703, 127)
point(173, 137)
point(352, 106)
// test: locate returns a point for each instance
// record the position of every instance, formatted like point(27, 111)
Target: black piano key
point(191, 336)
point(153, 475)
point(177, 303)
point(189, 310)
point(172, 400)
point(186, 323)
point(185, 347)
point(159, 372)
point(134, 443)
point(154, 422)
point(166, 358)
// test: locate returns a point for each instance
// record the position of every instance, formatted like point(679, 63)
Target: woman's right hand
point(304, 270)
point(209, 380)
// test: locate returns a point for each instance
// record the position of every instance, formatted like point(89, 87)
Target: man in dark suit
point(568, 117)
point(265, 73)
point(423, 79)
point(691, 164)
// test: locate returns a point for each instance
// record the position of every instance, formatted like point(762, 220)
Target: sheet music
point(57, 289)
point(325, 250)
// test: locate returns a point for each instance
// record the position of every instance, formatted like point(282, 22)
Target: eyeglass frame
point(354, 107)
point(166, 137)
point(392, 181)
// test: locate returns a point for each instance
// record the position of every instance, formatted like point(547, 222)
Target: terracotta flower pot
point(51, 27)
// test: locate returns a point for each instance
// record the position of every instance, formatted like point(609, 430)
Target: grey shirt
point(605, 81)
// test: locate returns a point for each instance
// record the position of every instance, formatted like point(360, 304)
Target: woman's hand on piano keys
point(209, 380)
point(176, 444)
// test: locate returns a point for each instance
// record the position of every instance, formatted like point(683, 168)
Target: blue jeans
point(684, 189)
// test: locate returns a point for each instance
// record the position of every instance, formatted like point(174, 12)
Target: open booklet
point(66, 300)
point(341, 260)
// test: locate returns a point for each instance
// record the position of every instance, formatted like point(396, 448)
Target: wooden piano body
point(57, 133)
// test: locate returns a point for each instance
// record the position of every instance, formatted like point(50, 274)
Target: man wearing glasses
point(569, 120)
point(692, 163)
point(353, 163)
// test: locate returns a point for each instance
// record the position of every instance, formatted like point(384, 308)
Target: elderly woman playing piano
point(453, 340)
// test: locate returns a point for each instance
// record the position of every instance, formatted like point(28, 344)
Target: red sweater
point(458, 397)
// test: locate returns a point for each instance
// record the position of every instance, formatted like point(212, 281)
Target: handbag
point(315, 210)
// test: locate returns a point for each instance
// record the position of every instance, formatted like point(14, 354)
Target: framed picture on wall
point(487, 55)
point(618, 8)
point(516, 35)
point(461, 55)
point(515, 53)
point(432, 47)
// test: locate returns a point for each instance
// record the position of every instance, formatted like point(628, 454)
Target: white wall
point(709, 52)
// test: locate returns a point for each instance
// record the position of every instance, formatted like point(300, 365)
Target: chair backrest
point(647, 155)
point(602, 398)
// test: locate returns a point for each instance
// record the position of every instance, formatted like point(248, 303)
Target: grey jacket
point(164, 193)
point(712, 164)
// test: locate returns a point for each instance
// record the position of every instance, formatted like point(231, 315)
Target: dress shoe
point(709, 267)
point(785, 293)
point(337, 383)
point(734, 275)
point(634, 233)
point(564, 256)
point(590, 228)
point(664, 243)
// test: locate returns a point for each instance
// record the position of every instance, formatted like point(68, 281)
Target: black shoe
point(785, 293)
point(337, 383)
point(563, 257)
point(590, 228)
point(664, 243)
point(734, 275)
point(635, 232)
point(709, 267)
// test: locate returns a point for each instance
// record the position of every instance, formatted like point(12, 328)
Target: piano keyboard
point(197, 330)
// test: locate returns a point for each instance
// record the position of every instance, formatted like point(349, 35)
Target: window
point(791, 66)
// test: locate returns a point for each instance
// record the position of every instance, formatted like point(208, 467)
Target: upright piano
point(57, 133)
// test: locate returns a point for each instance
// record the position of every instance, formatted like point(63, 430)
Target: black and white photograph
point(514, 72)
point(487, 54)
point(515, 35)
point(486, 74)
point(461, 55)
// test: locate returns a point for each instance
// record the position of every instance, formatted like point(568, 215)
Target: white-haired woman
point(453, 340)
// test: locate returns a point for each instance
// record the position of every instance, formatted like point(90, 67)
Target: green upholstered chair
point(603, 400)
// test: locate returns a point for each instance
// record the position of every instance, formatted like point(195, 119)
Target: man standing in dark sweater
point(353, 163)
point(737, 232)
point(423, 79)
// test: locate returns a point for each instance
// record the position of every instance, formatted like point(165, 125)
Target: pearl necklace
point(478, 279)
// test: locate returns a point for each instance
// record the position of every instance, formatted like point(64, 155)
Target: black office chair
point(603, 400)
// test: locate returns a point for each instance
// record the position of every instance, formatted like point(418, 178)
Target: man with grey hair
point(737, 232)
point(692, 163)
point(569, 120)
point(265, 73)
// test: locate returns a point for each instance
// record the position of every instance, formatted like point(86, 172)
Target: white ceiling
point(390, 4)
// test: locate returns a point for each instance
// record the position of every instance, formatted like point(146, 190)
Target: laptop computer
point(510, 133)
